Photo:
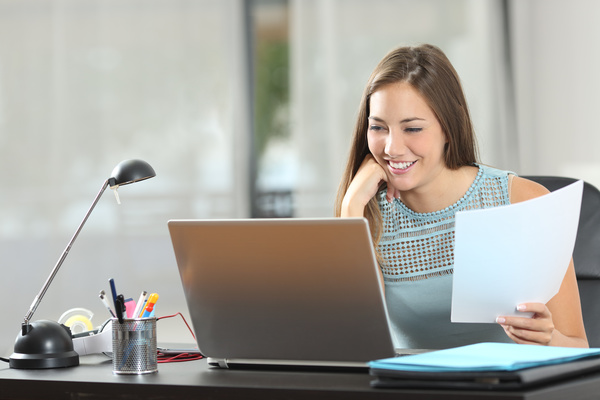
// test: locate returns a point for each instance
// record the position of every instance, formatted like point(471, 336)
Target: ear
point(447, 153)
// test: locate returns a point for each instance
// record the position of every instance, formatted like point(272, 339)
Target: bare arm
point(559, 322)
point(363, 188)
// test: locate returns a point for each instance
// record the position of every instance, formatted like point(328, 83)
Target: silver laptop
point(296, 292)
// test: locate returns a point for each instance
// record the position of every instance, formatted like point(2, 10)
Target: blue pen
point(113, 291)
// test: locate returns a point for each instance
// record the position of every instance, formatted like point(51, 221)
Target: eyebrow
point(404, 121)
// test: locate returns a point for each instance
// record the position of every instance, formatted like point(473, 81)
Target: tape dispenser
point(86, 338)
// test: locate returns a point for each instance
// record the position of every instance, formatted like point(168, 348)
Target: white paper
point(513, 254)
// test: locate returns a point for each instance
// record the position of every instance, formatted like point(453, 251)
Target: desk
point(93, 379)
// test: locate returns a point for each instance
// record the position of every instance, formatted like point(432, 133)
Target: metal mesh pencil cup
point(134, 346)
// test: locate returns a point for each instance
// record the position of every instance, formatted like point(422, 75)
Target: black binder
point(485, 380)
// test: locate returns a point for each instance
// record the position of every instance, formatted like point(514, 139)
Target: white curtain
point(84, 85)
point(337, 43)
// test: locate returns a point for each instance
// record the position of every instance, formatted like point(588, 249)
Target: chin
point(402, 186)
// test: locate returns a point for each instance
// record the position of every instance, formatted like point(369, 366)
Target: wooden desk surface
point(93, 379)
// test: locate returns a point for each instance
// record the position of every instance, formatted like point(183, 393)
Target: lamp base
point(44, 344)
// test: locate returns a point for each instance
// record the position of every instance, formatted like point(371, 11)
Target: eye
point(376, 128)
point(413, 130)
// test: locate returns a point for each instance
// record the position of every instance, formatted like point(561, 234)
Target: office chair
point(586, 255)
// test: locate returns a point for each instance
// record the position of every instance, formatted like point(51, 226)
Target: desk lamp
point(48, 344)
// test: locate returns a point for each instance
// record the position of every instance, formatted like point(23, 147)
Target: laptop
point(292, 292)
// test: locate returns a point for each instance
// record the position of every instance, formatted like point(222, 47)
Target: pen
point(105, 302)
point(143, 308)
point(150, 305)
point(120, 307)
point(140, 304)
point(113, 290)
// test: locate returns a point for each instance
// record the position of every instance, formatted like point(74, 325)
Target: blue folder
point(485, 365)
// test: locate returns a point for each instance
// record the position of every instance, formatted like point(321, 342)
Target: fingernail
point(500, 320)
point(521, 307)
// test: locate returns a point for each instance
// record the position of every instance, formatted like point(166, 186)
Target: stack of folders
point(493, 366)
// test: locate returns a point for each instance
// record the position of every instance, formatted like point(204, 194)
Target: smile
point(401, 165)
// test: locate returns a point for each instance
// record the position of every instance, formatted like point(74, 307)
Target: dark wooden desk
point(93, 379)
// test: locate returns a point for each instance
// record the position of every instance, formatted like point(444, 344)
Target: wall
point(556, 57)
point(84, 85)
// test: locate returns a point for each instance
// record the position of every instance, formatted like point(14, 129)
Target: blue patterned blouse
point(417, 250)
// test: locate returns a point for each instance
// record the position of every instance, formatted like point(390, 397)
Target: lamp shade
point(130, 171)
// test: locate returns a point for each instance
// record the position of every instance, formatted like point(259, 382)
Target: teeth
point(401, 165)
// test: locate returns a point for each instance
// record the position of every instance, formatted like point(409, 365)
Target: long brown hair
point(429, 71)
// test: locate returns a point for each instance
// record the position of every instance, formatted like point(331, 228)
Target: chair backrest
point(586, 255)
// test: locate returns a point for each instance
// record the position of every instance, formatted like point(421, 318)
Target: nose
point(394, 145)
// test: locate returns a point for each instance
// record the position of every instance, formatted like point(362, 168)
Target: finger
point(528, 330)
point(540, 309)
point(533, 324)
point(520, 340)
point(524, 336)
point(389, 194)
point(366, 182)
point(392, 194)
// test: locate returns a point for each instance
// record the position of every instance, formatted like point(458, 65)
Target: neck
point(447, 187)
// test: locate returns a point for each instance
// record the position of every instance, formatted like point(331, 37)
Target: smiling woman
point(412, 167)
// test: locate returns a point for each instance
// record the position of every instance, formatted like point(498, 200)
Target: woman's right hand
point(364, 187)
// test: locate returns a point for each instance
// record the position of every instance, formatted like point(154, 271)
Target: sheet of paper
point(513, 254)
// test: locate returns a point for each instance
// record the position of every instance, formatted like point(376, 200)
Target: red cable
point(182, 317)
point(181, 357)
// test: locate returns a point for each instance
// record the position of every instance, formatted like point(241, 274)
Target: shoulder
point(522, 189)
point(493, 172)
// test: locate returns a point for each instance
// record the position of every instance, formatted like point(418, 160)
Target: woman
point(412, 166)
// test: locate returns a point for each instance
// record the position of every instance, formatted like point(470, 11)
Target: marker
point(105, 302)
point(129, 307)
point(150, 305)
point(143, 308)
point(120, 307)
point(140, 304)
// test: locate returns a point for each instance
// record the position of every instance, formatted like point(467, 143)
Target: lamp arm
point(42, 292)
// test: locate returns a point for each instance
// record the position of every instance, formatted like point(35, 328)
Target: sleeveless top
point(417, 253)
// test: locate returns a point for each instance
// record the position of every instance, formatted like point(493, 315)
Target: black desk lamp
point(47, 344)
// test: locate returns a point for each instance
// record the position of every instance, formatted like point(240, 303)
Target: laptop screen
point(278, 290)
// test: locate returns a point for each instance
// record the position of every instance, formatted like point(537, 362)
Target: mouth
point(401, 166)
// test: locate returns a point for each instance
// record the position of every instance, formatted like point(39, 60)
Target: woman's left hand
point(539, 329)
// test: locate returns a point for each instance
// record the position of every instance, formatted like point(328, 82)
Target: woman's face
point(405, 137)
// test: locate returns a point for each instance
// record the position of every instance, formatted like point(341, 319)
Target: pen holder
point(134, 346)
